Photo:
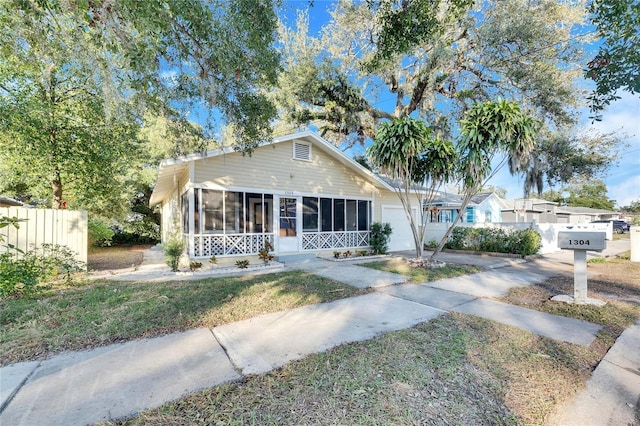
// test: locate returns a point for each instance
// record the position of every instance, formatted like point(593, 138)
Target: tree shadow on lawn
point(106, 312)
point(454, 369)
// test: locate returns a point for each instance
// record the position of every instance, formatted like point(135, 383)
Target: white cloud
point(623, 179)
point(622, 115)
point(625, 191)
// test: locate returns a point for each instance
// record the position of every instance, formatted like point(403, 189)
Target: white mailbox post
point(580, 242)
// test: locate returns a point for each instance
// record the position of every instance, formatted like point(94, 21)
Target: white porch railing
point(329, 240)
point(207, 245)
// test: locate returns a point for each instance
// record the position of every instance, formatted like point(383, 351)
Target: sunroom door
point(289, 232)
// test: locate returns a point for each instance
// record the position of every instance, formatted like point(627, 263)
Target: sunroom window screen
point(310, 214)
point(232, 212)
point(363, 215)
point(352, 215)
point(185, 212)
point(337, 215)
point(212, 202)
point(326, 214)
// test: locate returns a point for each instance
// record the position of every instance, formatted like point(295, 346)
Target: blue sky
point(622, 179)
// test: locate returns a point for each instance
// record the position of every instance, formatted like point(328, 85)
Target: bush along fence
point(31, 272)
point(28, 272)
point(523, 242)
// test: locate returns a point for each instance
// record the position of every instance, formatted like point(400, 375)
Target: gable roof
point(171, 168)
point(481, 197)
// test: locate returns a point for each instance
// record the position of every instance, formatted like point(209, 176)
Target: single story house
point(9, 202)
point(530, 210)
point(484, 207)
point(299, 192)
point(585, 214)
point(543, 211)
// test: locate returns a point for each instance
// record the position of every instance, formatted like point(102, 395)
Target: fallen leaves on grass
point(455, 369)
point(105, 312)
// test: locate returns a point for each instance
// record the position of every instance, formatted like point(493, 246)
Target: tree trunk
point(56, 188)
point(465, 202)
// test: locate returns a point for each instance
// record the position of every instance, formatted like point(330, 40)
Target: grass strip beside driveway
point(99, 313)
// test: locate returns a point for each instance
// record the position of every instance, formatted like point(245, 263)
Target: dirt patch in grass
point(455, 369)
point(616, 281)
point(420, 275)
point(104, 312)
point(112, 258)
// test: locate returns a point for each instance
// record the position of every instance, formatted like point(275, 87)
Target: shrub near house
point(523, 242)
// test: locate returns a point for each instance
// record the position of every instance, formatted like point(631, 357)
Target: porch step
point(295, 258)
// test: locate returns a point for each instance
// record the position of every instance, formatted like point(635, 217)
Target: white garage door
point(401, 236)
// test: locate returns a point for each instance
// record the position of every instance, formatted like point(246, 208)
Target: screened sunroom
point(232, 223)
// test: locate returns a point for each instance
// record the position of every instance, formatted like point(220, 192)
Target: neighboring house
point(484, 208)
point(543, 211)
point(487, 208)
point(9, 202)
point(531, 210)
point(298, 192)
point(585, 214)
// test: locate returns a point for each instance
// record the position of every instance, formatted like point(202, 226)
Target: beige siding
point(272, 167)
point(386, 198)
point(170, 214)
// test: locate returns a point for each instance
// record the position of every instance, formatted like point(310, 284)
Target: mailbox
point(578, 240)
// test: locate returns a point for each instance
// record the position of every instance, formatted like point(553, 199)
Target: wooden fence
point(46, 226)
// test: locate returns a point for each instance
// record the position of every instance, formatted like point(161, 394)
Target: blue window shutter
point(470, 215)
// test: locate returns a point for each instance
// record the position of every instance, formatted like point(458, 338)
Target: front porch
point(238, 223)
point(220, 245)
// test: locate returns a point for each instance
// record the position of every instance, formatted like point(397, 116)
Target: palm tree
point(490, 128)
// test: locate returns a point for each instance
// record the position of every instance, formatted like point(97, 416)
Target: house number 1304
point(579, 242)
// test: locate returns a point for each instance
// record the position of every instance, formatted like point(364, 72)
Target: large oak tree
point(384, 59)
point(616, 66)
point(77, 77)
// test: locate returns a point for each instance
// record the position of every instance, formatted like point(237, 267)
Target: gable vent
point(301, 151)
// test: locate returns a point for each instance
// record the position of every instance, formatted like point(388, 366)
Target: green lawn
point(104, 312)
point(420, 275)
point(453, 370)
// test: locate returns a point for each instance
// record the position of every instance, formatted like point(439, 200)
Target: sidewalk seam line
point(235, 367)
point(616, 365)
point(13, 394)
point(446, 311)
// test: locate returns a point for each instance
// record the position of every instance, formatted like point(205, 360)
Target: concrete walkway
point(120, 380)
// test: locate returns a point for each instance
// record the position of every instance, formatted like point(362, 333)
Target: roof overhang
point(171, 168)
point(166, 181)
point(9, 202)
